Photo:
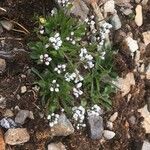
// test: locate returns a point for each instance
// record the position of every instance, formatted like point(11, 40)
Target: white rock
point(139, 15)
point(146, 145)
point(108, 134)
point(124, 84)
point(146, 37)
point(109, 6)
point(17, 136)
point(109, 125)
point(113, 117)
point(23, 89)
point(56, 146)
point(132, 44)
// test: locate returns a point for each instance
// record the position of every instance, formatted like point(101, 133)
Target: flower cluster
point(53, 119)
point(95, 110)
point(60, 68)
point(71, 38)
point(77, 91)
point(46, 59)
point(54, 87)
point(75, 76)
point(84, 56)
point(56, 41)
point(79, 116)
point(90, 21)
point(53, 11)
point(105, 29)
point(63, 2)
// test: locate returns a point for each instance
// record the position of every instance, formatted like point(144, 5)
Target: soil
point(18, 73)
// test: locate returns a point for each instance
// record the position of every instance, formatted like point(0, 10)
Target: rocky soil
point(23, 122)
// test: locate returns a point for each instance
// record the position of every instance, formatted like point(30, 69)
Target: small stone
point(56, 146)
point(109, 134)
point(8, 113)
point(139, 15)
point(22, 115)
point(115, 21)
point(17, 136)
point(144, 2)
point(109, 125)
point(7, 24)
point(148, 103)
point(2, 102)
point(132, 119)
point(95, 126)
point(137, 1)
point(2, 65)
point(146, 37)
point(2, 143)
point(7, 123)
point(109, 6)
point(23, 89)
point(127, 11)
point(146, 145)
point(63, 127)
point(113, 117)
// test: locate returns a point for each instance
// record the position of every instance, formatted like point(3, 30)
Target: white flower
point(46, 59)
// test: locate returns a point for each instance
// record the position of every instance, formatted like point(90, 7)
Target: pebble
point(7, 25)
point(8, 113)
point(137, 1)
point(17, 136)
point(56, 146)
point(113, 117)
point(144, 2)
point(2, 102)
point(95, 126)
point(109, 6)
point(146, 145)
point(108, 134)
point(146, 37)
point(2, 143)
point(132, 120)
point(7, 123)
point(63, 127)
point(127, 11)
point(21, 116)
point(109, 125)
point(148, 103)
point(139, 15)
point(2, 65)
point(23, 89)
point(115, 21)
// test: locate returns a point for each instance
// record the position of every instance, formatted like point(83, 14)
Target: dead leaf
point(146, 114)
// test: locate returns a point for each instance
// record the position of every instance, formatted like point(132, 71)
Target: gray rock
point(63, 127)
point(95, 126)
point(17, 136)
point(7, 123)
point(115, 21)
point(56, 146)
point(8, 25)
point(22, 115)
point(146, 145)
point(2, 65)
point(108, 134)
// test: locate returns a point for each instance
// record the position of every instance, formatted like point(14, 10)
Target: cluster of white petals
point(53, 119)
point(45, 59)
